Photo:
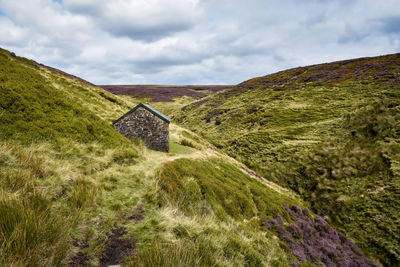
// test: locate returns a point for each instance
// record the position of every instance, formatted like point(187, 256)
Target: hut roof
point(149, 108)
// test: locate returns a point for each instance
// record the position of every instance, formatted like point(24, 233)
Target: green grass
point(32, 109)
point(31, 228)
point(198, 187)
point(57, 144)
point(51, 196)
point(170, 254)
point(31, 231)
point(179, 240)
point(176, 148)
point(352, 179)
point(332, 140)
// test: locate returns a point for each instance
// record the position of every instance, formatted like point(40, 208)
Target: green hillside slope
point(74, 192)
point(330, 132)
point(31, 109)
point(52, 148)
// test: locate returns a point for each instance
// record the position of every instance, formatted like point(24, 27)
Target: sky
point(195, 41)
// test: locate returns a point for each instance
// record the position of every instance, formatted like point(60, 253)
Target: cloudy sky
point(195, 41)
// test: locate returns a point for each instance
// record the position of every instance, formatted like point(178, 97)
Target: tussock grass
point(125, 156)
point(20, 167)
point(213, 185)
point(83, 193)
point(57, 148)
point(31, 231)
point(207, 241)
point(186, 142)
point(169, 254)
point(47, 193)
point(90, 189)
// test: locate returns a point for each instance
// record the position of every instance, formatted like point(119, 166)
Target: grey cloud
point(352, 34)
point(279, 57)
point(391, 24)
point(371, 27)
point(83, 8)
point(316, 18)
point(147, 33)
point(155, 20)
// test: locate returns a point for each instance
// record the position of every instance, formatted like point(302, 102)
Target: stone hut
point(146, 123)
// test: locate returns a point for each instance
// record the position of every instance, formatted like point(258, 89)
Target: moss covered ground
point(330, 132)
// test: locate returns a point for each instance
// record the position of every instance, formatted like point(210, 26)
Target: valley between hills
point(296, 168)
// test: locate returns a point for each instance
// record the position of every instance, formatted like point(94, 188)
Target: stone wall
point(143, 124)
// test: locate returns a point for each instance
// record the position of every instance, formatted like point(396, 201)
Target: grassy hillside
point(35, 104)
point(75, 192)
point(52, 150)
point(330, 132)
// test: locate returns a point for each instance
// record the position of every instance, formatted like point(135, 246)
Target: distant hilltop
point(165, 93)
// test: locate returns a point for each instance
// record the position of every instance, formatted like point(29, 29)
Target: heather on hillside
point(166, 93)
point(330, 132)
point(313, 240)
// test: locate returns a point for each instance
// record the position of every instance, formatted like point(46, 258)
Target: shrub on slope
point(195, 186)
point(354, 179)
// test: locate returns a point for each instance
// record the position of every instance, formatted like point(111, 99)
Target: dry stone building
point(146, 123)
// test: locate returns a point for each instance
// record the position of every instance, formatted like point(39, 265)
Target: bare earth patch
point(81, 258)
point(117, 248)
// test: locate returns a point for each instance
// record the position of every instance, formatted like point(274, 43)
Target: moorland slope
point(74, 192)
point(330, 132)
point(164, 93)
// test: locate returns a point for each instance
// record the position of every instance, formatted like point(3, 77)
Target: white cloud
point(12, 35)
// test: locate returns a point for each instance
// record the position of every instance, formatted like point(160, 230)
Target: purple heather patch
point(229, 93)
point(295, 231)
point(294, 263)
point(315, 241)
point(195, 104)
point(251, 173)
point(157, 93)
point(336, 72)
